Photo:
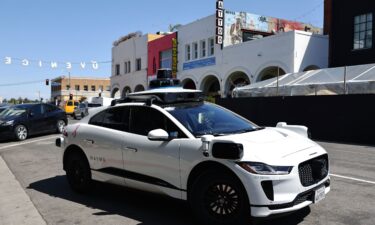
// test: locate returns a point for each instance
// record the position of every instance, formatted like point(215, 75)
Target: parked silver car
point(82, 109)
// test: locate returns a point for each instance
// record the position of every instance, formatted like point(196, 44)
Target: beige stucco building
point(63, 86)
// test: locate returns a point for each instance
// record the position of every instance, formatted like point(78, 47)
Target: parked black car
point(3, 107)
point(21, 121)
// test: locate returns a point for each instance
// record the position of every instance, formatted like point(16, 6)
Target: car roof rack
point(161, 98)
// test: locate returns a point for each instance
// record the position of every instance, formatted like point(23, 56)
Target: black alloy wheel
point(218, 197)
point(78, 173)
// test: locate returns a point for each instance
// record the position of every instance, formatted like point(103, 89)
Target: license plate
point(320, 194)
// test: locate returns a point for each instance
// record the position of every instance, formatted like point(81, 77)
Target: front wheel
point(78, 173)
point(218, 197)
point(20, 132)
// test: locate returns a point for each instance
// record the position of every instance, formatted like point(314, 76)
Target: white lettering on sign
point(8, 60)
point(220, 4)
point(220, 13)
point(95, 65)
point(25, 62)
point(53, 65)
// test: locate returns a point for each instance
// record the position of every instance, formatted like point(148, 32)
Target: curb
point(16, 208)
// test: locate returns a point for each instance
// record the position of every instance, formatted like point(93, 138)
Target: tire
point(218, 197)
point(21, 132)
point(60, 124)
point(74, 116)
point(82, 115)
point(78, 173)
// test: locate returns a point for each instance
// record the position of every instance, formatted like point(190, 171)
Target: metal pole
point(345, 91)
point(277, 81)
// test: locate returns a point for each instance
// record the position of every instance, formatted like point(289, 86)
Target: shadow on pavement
point(141, 206)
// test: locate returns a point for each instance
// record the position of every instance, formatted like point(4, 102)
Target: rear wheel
point(82, 115)
point(217, 197)
point(78, 172)
point(20, 132)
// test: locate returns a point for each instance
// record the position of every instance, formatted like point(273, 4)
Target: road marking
point(24, 143)
point(352, 178)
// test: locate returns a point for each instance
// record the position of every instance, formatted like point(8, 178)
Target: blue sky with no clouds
point(82, 30)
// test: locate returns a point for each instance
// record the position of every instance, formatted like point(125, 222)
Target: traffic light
point(47, 82)
point(71, 97)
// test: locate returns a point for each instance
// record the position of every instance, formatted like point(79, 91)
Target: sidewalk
point(16, 207)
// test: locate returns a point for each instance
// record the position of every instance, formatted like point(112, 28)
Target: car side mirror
point(158, 135)
point(31, 114)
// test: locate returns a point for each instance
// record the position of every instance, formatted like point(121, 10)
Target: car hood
point(271, 145)
point(8, 118)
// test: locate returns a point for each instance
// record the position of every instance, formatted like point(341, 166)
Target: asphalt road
point(36, 163)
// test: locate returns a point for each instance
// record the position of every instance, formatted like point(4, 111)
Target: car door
point(36, 120)
point(102, 140)
point(50, 116)
point(152, 165)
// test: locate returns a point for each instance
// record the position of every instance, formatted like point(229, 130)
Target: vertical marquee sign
point(174, 57)
point(219, 22)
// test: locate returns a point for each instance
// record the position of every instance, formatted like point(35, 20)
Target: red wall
point(154, 49)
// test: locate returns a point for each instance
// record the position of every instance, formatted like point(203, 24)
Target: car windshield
point(13, 111)
point(206, 118)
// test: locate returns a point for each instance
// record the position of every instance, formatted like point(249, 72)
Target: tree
point(173, 28)
point(83, 98)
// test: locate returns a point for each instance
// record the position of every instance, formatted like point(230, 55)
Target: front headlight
point(264, 169)
point(7, 123)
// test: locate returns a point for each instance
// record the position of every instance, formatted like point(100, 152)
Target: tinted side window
point(117, 118)
point(97, 119)
point(36, 110)
point(144, 119)
point(49, 108)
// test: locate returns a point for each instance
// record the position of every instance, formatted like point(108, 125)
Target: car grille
point(313, 170)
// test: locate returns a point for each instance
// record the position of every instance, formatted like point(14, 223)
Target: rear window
point(69, 103)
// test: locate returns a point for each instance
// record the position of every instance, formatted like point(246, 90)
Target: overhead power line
point(22, 83)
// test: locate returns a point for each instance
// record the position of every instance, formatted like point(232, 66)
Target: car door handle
point(131, 149)
point(89, 141)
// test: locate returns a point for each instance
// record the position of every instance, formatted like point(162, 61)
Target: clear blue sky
point(83, 30)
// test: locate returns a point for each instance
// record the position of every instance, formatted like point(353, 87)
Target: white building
point(129, 64)
point(216, 70)
point(204, 65)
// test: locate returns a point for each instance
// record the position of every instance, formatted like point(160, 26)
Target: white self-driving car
point(170, 141)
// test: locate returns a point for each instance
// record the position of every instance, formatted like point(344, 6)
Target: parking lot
point(36, 164)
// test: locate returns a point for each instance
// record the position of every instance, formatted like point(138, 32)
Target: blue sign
point(199, 63)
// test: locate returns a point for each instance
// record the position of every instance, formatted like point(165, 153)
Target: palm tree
point(173, 28)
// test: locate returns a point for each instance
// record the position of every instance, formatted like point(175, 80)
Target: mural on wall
point(236, 22)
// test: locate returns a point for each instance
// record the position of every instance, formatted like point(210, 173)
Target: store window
point(166, 59)
point(187, 52)
point(126, 67)
point(101, 88)
point(68, 87)
point(129, 69)
point(203, 49)
point(85, 87)
point(93, 88)
point(211, 46)
point(76, 87)
point(117, 72)
point(139, 64)
point(195, 50)
point(363, 31)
